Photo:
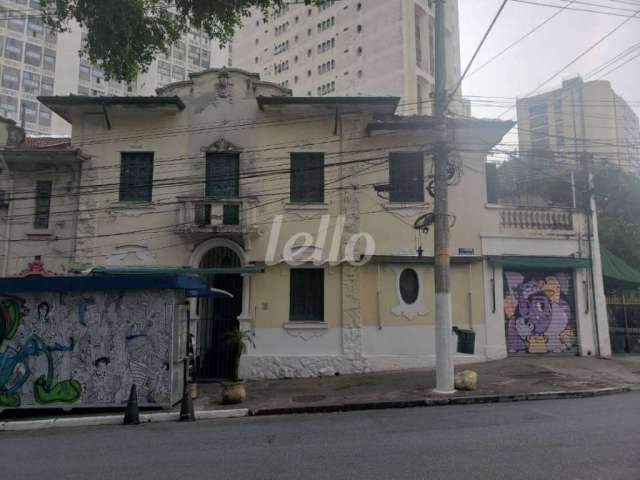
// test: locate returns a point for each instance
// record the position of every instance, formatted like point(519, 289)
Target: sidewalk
point(512, 379)
point(515, 378)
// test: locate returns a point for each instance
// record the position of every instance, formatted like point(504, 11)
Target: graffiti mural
point(85, 349)
point(539, 310)
point(15, 360)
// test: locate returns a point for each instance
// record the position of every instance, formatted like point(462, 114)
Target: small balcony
point(231, 217)
point(550, 219)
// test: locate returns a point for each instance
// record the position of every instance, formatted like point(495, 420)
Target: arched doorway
point(219, 315)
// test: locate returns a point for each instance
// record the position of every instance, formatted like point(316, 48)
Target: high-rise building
point(35, 61)
point(580, 117)
point(75, 74)
point(351, 47)
point(28, 60)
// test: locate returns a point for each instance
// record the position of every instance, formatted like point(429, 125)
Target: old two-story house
point(313, 212)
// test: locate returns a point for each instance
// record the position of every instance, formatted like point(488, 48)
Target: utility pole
point(444, 324)
point(602, 344)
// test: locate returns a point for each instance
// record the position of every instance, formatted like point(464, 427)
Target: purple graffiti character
point(537, 310)
point(560, 313)
point(518, 331)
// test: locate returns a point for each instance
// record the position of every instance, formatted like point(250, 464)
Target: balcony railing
point(527, 218)
point(214, 216)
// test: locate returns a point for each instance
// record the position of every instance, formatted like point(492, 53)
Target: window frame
point(29, 110)
point(400, 190)
point(303, 289)
point(32, 53)
point(128, 186)
point(307, 186)
point(42, 208)
point(411, 274)
point(11, 83)
point(13, 49)
point(232, 189)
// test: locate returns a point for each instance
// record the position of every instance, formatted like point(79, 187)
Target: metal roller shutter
point(539, 309)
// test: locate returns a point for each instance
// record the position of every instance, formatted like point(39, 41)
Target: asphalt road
point(596, 438)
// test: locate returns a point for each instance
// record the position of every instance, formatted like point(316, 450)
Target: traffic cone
point(131, 414)
point(186, 407)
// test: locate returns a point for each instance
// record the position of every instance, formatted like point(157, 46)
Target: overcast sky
point(528, 64)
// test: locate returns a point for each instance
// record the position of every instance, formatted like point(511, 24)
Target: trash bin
point(466, 340)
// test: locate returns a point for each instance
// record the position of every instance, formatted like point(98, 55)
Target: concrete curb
point(433, 402)
point(158, 417)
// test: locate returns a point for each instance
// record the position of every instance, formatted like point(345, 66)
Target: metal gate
point(624, 324)
point(218, 316)
point(539, 309)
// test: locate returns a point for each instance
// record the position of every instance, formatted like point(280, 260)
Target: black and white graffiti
point(86, 349)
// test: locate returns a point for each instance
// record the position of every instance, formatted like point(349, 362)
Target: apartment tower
point(35, 61)
point(351, 47)
point(580, 117)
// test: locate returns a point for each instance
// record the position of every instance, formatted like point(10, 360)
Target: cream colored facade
point(581, 117)
point(351, 47)
point(368, 323)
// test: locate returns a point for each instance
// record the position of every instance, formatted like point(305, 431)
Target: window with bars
point(406, 177)
point(306, 303)
point(136, 176)
point(43, 205)
point(222, 175)
point(307, 177)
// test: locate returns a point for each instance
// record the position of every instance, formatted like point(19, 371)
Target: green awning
point(428, 260)
point(526, 261)
point(174, 270)
point(617, 271)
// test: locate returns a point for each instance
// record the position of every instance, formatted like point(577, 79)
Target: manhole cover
point(308, 398)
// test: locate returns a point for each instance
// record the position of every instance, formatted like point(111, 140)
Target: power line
point(626, 52)
point(575, 9)
point(475, 54)
point(606, 74)
point(258, 174)
point(576, 59)
point(519, 40)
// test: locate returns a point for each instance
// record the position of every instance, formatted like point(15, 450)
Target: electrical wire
point(477, 51)
point(577, 58)
point(519, 40)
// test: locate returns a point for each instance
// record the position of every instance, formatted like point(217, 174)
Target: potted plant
point(233, 390)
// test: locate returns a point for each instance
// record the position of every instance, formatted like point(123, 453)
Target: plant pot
point(233, 392)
